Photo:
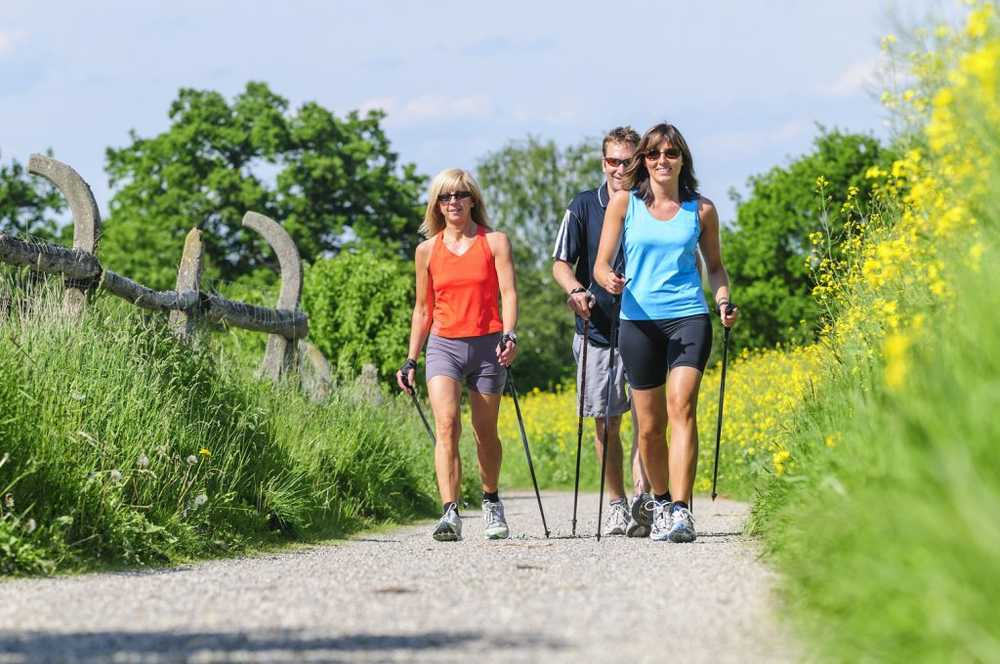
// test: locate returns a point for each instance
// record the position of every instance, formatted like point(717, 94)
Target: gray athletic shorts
point(472, 360)
point(596, 395)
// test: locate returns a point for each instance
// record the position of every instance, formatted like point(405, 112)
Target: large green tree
point(527, 185)
point(29, 205)
point(330, 181)
point(765, 249)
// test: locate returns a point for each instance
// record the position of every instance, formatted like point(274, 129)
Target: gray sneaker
point(496, 523)
point(640, 516)
point(449, 527)
point(618, 518)
point(660, 530)
point(682, 525)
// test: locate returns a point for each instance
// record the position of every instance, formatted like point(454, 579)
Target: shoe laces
point(619, 512)
point(684, 514)
point(493, 511)
point(661, 515)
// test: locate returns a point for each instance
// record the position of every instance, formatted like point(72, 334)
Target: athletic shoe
point(617, 520)
point(496, 524)
point(449, 528)
point(681, 525)
point(641, 516)
point(660, 530)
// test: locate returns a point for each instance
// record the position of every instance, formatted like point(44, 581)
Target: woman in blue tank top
point(665, 333)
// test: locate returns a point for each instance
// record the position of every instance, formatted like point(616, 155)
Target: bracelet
point(578, 289)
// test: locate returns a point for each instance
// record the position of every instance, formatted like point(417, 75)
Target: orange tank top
point(465, 289)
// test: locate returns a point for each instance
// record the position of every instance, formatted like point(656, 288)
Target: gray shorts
point(596, 395)
point(472, 360)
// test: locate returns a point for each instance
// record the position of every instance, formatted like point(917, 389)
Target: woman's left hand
point(506, 351)
point(728, 313)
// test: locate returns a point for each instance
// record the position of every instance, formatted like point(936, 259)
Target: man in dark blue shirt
point(574, 255)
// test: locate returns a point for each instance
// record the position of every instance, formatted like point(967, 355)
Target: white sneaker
point(682, 525)
point(618, 517)
point(640, 516)
point(660, 530)
point(449, 527)
point(496, 523)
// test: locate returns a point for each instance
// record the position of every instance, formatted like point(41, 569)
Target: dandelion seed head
point(192, 459)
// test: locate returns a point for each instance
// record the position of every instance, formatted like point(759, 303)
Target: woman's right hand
point(406, 375)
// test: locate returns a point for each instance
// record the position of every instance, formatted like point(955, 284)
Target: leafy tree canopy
point(765, 249)
point(29, 205)
point(330, 181)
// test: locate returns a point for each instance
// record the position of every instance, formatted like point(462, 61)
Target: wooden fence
point(285, 325)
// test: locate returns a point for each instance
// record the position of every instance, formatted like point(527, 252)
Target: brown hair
point(636, 175)
point(449, 180)
point(620, 135)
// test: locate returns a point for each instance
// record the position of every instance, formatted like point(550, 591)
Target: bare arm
point(504, 261)
point(420, 323)
point(611, 234)
point(565, 276)
point(711, 249)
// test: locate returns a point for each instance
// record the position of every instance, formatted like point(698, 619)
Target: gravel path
point(401, 597)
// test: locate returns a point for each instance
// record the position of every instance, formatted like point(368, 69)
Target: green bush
point(360, 305)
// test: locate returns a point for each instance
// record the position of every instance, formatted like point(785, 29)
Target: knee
point(680, 407)
point(448, 429)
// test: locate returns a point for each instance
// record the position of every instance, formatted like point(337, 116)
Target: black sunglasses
point(669, 153)
point(455, 195)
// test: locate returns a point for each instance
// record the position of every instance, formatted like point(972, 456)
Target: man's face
point(615, 157)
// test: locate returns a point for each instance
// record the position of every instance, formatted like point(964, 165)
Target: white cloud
point(430, 108)
point(9, 41)
point(857, 78)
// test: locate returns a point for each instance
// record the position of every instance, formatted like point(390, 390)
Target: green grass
point(122, 446)
point(889, 544)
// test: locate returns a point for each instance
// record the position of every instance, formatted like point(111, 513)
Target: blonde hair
point(449, 180)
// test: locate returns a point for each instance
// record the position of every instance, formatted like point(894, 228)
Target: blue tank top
point(660, 263)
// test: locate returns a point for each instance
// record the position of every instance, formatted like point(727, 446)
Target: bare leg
point(485, 408)
point(682, 408)
point(640, 481)
point(651, 413)
point(446, 396)
point(614, 478)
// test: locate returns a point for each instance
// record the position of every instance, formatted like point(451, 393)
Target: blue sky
point(745, 81)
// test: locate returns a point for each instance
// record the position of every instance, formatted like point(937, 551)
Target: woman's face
point(664, 162)
point(455, 205)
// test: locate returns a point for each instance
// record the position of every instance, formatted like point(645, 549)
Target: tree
point(331, 182)
point(28, 204)
point(765, 249)
point(527, 186)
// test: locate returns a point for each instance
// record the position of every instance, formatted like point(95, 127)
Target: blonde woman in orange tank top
point(466, 313)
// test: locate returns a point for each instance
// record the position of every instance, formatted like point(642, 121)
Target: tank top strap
point(481, 237)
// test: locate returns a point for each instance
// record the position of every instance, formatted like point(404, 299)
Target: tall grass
point(120, 445)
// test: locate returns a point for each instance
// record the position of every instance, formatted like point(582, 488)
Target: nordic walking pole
point(722, 398)
point(527, 451)
point(615, 324)
point(579, 425)
point(420, 411)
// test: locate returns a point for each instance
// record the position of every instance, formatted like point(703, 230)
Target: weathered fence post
point(280, 354)
point(315, 377)
point(86, 218)
point(182, 321)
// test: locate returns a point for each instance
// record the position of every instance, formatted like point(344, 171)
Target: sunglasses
point(669, 153)
point(454, 196)
point(614, 162)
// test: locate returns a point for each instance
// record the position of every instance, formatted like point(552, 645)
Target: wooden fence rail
point(286, 326)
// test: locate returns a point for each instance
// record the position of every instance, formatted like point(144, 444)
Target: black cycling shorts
point(650, 348)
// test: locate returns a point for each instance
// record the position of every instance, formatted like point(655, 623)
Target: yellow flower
point(895, 350)
point(204, 452)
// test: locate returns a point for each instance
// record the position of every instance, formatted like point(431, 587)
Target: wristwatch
point(511, 336)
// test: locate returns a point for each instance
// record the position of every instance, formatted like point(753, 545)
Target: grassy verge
point(120, 446)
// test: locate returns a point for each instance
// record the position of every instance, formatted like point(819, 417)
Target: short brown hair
point(620, 135)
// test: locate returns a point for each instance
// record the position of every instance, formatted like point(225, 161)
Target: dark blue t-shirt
point(577, 242)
